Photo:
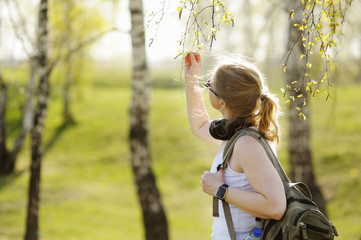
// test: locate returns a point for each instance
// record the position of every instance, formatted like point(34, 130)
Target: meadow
point(87, 189)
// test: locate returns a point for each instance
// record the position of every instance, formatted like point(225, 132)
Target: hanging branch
point(20, 27)
point(157, 22)
point(320, 25)
point(196, 22)
point(217, 13)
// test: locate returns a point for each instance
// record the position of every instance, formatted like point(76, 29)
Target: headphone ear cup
point(219, 130)
point(222, 129)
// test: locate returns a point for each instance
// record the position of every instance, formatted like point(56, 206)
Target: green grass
point(87, 189)
point(337, 154)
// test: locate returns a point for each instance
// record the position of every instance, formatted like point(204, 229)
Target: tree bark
point(154, 217)
point(3, 149)
point(3, 98)
point(44, 69)
point(299, 130)
point(8, 157)
point(68, 117)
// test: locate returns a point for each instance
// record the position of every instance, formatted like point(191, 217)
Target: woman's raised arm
point(198, 117)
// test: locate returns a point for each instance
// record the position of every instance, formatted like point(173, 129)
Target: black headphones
point(223, 129)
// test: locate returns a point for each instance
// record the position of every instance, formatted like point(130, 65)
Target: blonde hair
point(239, 83)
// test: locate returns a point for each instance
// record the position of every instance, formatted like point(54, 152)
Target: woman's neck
point(226, 114)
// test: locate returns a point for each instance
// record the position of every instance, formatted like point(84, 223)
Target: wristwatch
point(222, 190)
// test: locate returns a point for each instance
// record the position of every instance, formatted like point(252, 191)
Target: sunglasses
point(208, 85)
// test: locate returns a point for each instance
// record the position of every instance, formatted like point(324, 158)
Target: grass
point(87, 189)
point(337, 148)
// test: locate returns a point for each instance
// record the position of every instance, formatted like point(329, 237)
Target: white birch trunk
point(32, 228)
point(299, 145)
point(153, 213)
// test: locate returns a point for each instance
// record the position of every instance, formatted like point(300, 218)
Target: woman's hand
point(192, 65)
point(210, 182)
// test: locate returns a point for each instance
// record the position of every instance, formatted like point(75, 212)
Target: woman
point(237, 90)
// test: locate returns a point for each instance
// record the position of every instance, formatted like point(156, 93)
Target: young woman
point(238, 91)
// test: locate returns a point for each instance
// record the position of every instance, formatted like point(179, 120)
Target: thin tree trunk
point(154, 217)
point(358, 78)
point(299, 130)
point(3, 150)
point(68, 118)
point(8, 157)
point(44, 69)
point(3, 98)
point(28, 112)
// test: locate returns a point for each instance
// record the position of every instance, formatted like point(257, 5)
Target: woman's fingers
point(192, 58)
point(196, 58)
point(202, 177)
point(192, 64)
point(211, 181)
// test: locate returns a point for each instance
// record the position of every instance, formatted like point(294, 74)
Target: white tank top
point(242, 221)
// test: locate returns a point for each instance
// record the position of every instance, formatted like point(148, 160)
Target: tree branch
point(20, 30)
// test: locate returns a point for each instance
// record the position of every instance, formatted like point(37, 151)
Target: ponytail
point(223, 129)
point(268, 123)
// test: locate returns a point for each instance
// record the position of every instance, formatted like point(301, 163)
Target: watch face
point(221, 192)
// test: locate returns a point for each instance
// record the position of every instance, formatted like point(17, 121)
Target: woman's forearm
point(255, 204)
point(197, 113)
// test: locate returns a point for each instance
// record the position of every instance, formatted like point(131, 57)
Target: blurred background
point(87, 187)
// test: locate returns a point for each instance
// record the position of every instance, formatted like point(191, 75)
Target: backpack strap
point(227, 153)
point(229, 221)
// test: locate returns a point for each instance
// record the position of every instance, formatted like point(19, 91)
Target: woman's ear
point(222, 104)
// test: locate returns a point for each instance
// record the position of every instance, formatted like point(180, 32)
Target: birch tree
point(313, 28)
point(299, 146)
point(70, 38)
point(9, 156)
point(65, 45)
point(44, 70)
point(154, 217)
point(3, 96)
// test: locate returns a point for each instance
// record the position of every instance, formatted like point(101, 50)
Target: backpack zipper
point(318, 229)
point(309, 226)
point(289, 201)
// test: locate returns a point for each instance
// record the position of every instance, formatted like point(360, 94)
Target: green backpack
point(302, 219)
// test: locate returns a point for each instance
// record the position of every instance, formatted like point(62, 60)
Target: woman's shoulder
point(248, 146)
point(246, 141)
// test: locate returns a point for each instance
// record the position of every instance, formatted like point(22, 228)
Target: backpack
point(302, 219)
